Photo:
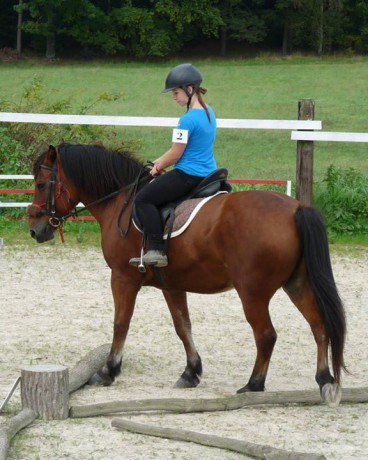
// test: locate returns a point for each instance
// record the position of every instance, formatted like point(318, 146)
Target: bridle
point(57, 190)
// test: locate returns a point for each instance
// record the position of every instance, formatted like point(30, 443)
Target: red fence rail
point(30, 191)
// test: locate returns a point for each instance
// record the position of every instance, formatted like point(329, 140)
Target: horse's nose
point(32, 233)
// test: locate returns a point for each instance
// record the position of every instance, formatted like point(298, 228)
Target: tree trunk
point(285, 40)
point(50, 47)
point(50, 37)
point(223, 42)
point(19, 30)
point(320, 30)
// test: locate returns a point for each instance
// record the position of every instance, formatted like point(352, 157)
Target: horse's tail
point(315, 250)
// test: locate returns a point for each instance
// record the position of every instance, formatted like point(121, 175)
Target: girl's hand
point(155, 171)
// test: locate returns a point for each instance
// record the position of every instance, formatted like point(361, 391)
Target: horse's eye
point(40, 186)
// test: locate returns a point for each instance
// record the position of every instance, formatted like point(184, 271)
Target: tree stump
point(78, 376)
point(45, 390)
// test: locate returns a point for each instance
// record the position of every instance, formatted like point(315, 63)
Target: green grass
point(262, 88)
point(15, 233)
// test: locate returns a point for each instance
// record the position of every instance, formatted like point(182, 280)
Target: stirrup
point(138, 262)
point(155, 257)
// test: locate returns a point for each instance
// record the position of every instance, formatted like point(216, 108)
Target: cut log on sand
point(244, 447)
point(15, 424)
point(45, 390)
point(87, 366)
point(311, 397)
point(78, 376)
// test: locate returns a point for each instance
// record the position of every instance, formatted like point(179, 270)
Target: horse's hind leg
point(177, 303)
point(301, 295)
point(257, 315)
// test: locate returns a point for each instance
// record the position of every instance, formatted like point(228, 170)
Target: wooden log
point(309, 397)
point(15, 424)
point(88, 366)
point(45, 390)
point(78, 376)
point(243, 447)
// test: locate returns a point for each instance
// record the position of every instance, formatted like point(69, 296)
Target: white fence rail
point(105, 120)
point(302, 131)
point(13, 204)
point(329, 136)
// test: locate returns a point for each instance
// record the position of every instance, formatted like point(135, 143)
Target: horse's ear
point(51, 154)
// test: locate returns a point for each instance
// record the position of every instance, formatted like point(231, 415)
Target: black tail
point(316, 254)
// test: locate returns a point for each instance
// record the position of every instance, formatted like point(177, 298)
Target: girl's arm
point(168, 158)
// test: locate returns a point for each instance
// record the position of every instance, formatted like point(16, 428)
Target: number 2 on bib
point(180, 136)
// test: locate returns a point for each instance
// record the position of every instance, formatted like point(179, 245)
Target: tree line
point(160, 28)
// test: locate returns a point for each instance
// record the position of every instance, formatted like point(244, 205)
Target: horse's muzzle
point(42, 232)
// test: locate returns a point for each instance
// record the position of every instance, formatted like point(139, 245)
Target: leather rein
point(57, 188)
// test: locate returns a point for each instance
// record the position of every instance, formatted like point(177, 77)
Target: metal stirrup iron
point(141, 266)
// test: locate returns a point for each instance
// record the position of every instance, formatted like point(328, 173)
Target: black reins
point(50, 205)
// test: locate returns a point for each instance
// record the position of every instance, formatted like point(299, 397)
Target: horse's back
point(254, 213)
point(239, 235)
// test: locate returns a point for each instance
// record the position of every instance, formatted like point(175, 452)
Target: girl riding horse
point(191, 153)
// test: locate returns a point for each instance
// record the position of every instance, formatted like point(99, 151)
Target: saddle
point(210, 185)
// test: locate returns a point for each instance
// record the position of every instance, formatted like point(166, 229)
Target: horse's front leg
point(124, 294)
point(177, 303)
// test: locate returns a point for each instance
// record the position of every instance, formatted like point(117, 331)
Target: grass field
point(261, 88)
point(258, 88)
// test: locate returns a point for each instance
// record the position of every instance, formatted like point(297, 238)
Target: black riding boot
point(156, 251)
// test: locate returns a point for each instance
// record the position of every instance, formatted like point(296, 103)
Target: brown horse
point(255, 242)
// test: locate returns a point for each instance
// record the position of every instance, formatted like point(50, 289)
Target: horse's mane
point(94, 168)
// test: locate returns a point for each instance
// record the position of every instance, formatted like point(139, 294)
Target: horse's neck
point(106, 211)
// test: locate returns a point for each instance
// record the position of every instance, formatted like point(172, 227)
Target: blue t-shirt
point(198, 157)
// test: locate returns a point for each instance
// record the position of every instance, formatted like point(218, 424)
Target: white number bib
point(180, 136)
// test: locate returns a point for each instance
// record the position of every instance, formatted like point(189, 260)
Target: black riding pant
point(163, 189)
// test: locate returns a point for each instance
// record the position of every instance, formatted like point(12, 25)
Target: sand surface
point(56, 305)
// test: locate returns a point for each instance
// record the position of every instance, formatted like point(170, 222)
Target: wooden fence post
point(304, 160)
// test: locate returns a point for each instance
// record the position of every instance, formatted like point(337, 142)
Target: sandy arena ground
point(56, 306)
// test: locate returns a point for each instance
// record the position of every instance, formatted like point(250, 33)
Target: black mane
point(94, 168)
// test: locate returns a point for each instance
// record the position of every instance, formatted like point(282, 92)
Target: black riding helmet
point(182, 76)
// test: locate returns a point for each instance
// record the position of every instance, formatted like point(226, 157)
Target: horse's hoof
point(245, 389)
point(100, 379)
point(187, 382)
point(331, 394)
point(248, 387)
